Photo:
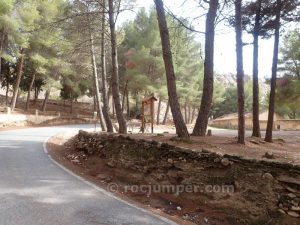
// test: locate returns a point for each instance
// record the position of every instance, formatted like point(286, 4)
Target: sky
point(225, 58)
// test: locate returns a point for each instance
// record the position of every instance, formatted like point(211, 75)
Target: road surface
point(35, 191)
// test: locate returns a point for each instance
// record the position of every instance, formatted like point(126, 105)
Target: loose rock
point(170, 161)
point(293, 214)
point(268, 176)
point(75, 161)
point(291, 195)
point(225, 162)
point(254, 142)
point(269, 155)
point(111, 164)
point(281, 211)
point(295, 208)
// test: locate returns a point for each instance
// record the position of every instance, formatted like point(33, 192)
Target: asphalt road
point(35, 191)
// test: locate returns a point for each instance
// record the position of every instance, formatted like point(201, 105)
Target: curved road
point(35, 191)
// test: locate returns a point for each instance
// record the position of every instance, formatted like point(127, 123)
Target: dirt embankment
point(202, 187)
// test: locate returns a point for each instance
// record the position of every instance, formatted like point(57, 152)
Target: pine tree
point(181, 129)
point(207, 94)
point(240, 72)
point(282, 10)
point(115, 69)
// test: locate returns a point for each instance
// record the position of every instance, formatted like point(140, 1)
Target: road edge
point(107, 193)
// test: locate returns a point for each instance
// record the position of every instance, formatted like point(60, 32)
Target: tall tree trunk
point(113, 108)
point(6, 93)
point(1, 50)
point(181, 129)
point(208, 81)
point(166, 113)
point(193, 115)
point(189, 115)
point(95, 103)
point(255, 113)
point(71, 109)
point(128, 104)
point(240, 72)
point(19, 73)
point(136, 101)
point(96, 81)
point(45, 100)
point(158, 111)
point(29, 90)
point(115, 70)
point(36, 94)
point(109, 97)
point(185, 113)
point(294, 115)
point(105, 110)
point(124, 96)
point(101, 116)
point(269, 131)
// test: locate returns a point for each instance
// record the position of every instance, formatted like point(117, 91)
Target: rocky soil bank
point(243, 191)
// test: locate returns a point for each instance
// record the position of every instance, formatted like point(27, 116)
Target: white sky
point(225, 58)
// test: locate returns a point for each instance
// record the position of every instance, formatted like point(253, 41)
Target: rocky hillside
point(229, 80)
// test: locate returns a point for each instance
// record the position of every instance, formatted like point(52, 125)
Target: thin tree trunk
point(193, 114)
point(105, 98)
point(185, 113)
point(124, 95)
point(255, 117)
point(96, 81)
point(240, 72)
point(294, 115)
point(29, 90)
point(45, 100)
point(115, 72)
point(71, 110)
point(208, 81)
point(136, 100)
point(269, 131)
point(1, 50)
point(181, 128)
point(19, 73)
point(6, 93)
point(35, 95)
point(166, 113)
point(113, 108)
point(158, 111)
point(95, 103)
point(109, 97)
point(101, 116)
point(128, 104)
point(189, 115)
point(3, 47)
